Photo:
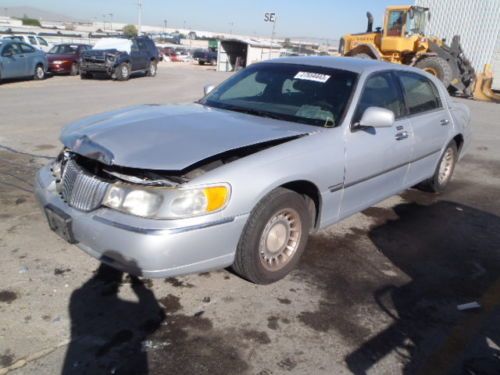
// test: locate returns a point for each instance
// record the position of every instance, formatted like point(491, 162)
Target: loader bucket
point(482, 89)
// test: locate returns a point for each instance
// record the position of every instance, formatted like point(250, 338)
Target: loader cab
point(403, 25)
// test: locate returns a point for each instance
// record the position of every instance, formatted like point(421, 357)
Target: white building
point(239, 52)
point(478, 24)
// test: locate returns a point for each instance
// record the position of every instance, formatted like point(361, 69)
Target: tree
point(287, 43)
point(27, 21)
point(130, 31)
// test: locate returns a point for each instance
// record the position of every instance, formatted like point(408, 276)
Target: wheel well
point(364, 48)
point(311, 193)
point(459, 140)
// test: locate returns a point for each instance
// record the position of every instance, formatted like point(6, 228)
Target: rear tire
point(122, 72)
point(274, 237)
point(364, 56)
point(39, 73)
point(444, 171)
point(153, 69)
point(438, 67)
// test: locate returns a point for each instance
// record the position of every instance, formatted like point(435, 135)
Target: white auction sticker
point(310, 76)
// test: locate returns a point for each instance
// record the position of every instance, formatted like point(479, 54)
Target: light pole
point(139, 17)
point(103, 22)
point(271, 17)
point(231, 24)
point(165, 26)
point(111, 21)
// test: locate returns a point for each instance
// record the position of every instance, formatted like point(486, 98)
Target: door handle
point(401, 135)
point(444, 122)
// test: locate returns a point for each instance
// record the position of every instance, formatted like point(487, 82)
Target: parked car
point(119, 58)
point(20, 60)
point(241, 177)
point(65, 58)
point(205, 56)
point(35, 40)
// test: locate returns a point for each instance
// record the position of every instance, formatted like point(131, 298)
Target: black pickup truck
point(205, 56)
point(119, 58)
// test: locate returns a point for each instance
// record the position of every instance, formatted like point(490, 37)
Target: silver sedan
point(243, 176)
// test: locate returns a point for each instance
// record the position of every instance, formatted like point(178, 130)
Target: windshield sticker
point(310, 76)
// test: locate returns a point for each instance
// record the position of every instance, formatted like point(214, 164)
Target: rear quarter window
point(420, 93)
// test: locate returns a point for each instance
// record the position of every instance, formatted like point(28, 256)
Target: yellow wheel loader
point(403, 40)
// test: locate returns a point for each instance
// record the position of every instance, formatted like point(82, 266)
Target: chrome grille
point(81, 190)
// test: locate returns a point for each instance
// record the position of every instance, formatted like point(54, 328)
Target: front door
point(376, 159)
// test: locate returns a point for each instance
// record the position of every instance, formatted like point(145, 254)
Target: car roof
point(344, 63)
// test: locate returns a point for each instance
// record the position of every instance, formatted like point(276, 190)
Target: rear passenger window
point(25, 48)
point(421, 95)
point(380, 91)
point(32, 40)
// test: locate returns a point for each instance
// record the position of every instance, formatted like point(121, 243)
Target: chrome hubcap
point(445, 167)
point(153, 69)
point(39, 72)
point(280, 239)
point(124, 71)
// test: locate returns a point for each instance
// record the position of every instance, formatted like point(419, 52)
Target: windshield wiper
point(256, 112)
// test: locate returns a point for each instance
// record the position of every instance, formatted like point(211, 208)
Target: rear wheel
point(437, 66)
point(362, 56)
point(274, 237)
point(39, 72)
point(153, 69)
point(442, 175)
point(74, 69)
point(122, 72)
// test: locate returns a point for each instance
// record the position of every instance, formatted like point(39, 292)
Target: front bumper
point(151, 248)
point(59, 68)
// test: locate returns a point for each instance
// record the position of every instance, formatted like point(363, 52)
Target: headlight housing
point(167, 203)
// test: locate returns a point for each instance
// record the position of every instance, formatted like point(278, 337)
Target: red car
point(64, 58)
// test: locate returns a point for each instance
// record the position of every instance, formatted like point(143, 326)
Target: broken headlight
point(167, 203)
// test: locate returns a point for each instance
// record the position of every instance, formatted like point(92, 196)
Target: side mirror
point(377, 117)
point(208, 89)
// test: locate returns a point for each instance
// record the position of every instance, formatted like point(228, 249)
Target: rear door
point(430, 122)
point(376, 159)
point(30, 58)
point(138, 55)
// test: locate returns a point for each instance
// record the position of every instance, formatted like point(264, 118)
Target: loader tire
point(437, 66)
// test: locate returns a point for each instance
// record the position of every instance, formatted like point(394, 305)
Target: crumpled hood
point(171, 137)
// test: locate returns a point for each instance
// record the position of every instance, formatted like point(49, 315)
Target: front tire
point(39, 73)
point(444, 170)
point(438, 67)
point(122, 72)
point(274, 237)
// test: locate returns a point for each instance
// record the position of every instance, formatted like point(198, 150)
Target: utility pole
point(139, 17)
point(165, 26)
point(111, 21)
point(231, 28)
point(103, 22)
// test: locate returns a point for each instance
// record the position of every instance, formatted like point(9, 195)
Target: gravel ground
point(376, 293)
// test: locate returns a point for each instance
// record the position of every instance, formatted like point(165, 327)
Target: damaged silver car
point(240, 178)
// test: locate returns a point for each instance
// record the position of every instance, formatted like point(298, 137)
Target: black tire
point(85, 75)
point(201, 62)
point(364, 56)
point(249, 261)
point(74, 71)
point(152, 69)
point(436, 184)
point(438, 67)
point(39, 73)
point(122, 72)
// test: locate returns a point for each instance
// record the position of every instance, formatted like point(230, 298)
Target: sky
point(327, 19)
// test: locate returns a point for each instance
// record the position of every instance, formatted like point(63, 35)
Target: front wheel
point(442, 175)
point(39, 72)
point(437, 66)
point(274, 237)
point(122, 72)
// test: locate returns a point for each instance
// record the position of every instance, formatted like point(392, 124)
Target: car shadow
point(108, 333)
point(451, 255)
point(7, 81)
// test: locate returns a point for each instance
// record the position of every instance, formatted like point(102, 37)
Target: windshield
point(64, 49)
point(416, 25)
point(300, 93)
